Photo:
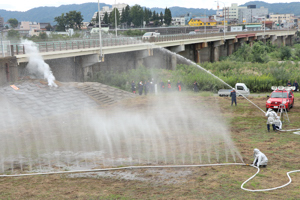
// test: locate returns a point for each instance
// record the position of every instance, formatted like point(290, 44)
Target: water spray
point(36, 63)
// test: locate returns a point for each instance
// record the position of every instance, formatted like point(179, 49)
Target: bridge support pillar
point(204, 55)
point(8, 70)
point(86, 63)
point(202, 52)
point(289, 40)
point(273, 39)
point(138, 62)
point(173, 62)
point(284, 39)
point(216, 53)
point(216, 50)
point(230, 47)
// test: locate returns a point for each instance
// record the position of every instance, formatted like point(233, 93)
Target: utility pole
point(100, 31)
point(2, 47)
point(116, 18)
point(205, 22)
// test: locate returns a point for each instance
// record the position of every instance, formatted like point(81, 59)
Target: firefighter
point(271, 114)
point(233, 97)
point(141, 88)
point(260, 159)
point(133, 87)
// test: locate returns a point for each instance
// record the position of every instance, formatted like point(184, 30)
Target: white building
point(251, 14)
point(285, 20)
point(107, 9)
point(26, 28)
point(178, 21)
point(230, 13)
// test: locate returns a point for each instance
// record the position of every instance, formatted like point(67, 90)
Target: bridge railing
point(5, 49)
point(17, 48)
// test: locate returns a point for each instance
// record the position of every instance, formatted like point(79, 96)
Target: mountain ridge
point(47, 14)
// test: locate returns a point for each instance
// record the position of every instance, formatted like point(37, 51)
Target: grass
point(247, 126)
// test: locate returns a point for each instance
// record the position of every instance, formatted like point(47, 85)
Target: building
point(178, 21)
point(256, 27)
point(119, 6)
point(43, 26)
point(203, 22)
point(187, 18)
point(251, 14)
point(230, 13)
point(28, 29)
point(283, 20)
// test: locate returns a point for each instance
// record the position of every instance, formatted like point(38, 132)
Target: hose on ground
point(268, 189)
point(166, 166)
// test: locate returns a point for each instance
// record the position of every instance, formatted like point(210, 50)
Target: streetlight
point(2, 46)
point(100, 33)
point(224, 17)
point(116, 18)
point(264, 17)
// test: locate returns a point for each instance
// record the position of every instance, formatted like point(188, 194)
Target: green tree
point(13, 35)
point(136, 14)
point(106, 18)
point(125, 18)
point(161, 17)
point(168, 16)
point(13, 22)
point(43, 36)
point(297, 51)
point(61, 22)
point(153, 18)
point(113, 15)
point(146, 15)
point(285, 53)
point(259, 52)
point(74, 19)
point(49, 27)
point(243, 53)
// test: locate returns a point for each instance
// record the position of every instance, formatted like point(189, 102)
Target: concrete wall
point(8, 70)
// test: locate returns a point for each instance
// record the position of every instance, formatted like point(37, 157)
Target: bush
point(133, 33)
point(285, 53)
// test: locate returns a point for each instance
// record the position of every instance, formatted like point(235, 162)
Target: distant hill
point(47, 14)
point(180, 11)
point(281, 8)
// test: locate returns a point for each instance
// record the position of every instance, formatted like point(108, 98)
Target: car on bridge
point(148, 35)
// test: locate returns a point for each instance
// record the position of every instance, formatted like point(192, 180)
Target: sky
point(21, 5)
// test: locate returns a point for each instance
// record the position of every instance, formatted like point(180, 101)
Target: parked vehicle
point(281, 96)
point(241, 89)
point(148, 35)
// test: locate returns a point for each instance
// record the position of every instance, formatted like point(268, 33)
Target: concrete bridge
point(78, 60)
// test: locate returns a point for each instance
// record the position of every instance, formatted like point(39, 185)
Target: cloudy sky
point(21, 5)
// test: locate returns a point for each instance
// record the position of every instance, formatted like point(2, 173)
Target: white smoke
point(36, 63)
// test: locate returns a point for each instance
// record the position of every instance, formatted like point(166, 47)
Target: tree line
point(135, 16)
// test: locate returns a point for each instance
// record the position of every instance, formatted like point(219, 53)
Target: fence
point(5, 49)
point(50, 46)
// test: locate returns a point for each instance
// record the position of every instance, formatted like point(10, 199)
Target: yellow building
point(202, 22)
